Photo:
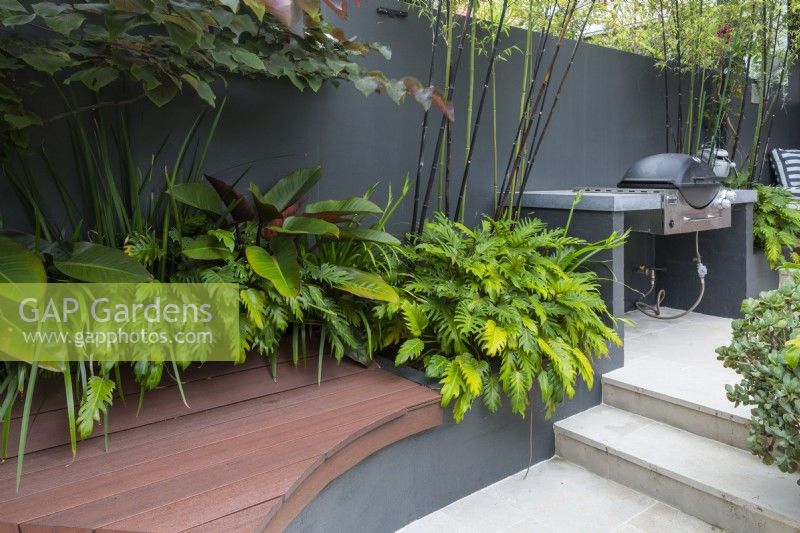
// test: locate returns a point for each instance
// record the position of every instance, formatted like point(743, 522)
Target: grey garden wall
point(610, 114)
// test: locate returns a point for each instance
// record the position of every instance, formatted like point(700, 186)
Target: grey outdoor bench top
point(608, 200)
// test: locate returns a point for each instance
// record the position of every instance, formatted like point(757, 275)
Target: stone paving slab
point(557, 496)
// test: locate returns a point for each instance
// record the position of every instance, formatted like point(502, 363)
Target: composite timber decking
point(247, 455)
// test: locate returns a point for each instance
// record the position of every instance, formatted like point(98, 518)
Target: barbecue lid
point(694, 179)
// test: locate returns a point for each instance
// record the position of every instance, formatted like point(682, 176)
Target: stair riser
point(718, 426)
point(707, 505)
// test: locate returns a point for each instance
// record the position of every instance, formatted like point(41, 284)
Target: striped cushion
point(786, 166)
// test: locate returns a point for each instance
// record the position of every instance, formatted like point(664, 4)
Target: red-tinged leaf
point(292, 209)
point(339, 7)
point(287, 12)
point(242, 210)
point(446, 107)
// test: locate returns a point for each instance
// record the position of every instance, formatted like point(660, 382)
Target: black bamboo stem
point(420, 162)
point(541, 136)
point(525, 115)
point(493, 56)
point(679, 136)
point(667, 121)
point(444, 123)
point(511, 182)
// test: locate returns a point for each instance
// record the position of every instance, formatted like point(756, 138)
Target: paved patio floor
point(557, 496)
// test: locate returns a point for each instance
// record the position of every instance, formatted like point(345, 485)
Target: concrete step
point(690, 397)
point(720, 484)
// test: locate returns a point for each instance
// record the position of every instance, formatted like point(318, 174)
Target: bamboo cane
point(423, 135)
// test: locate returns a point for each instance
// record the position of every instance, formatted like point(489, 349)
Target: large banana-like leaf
point(240, 208)
point(18, 264)
point(307, 226)
point(367, 285)
point(95, 263)
point(368, 234)
point(281, 268)
point(350, 206)
point(292, 188)
point(266, 210)
point(198, 195)
point(207, 248)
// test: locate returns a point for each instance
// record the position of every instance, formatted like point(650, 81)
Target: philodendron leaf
point(367, 285)
point(350, 206)
point(409, 350)
point(18, 265)
point(307, 226)
point(281, 268)
point(368, 234)
point(94, 263)
point(207, 248)
point(292, 188)
point(198, 195)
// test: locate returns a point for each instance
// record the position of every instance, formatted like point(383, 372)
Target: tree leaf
point(207, 248)
point(95, 263)
point(350, 206)
point(248, 59)
point(202, 88)
point(198, 195)
point(94, 78)
point(18, 20)
point(367, 285)
point(292, 188)
point(162, 94)
point(48, 61)
point(281, 268)
point(141, 7)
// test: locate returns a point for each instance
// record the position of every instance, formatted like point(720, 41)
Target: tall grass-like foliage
point(493, 312)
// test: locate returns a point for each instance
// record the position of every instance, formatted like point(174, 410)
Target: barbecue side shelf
point(735, 270)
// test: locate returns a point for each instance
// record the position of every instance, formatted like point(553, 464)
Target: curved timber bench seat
point(248, 455)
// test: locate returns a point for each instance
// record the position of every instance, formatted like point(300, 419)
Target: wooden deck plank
point(49, 429)
point(244, 521)
point(192, 422)
point(271, 416)
point(248, 454)
point(104, 510)
point(249, 446)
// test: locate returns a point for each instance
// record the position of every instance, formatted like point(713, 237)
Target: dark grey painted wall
point(610, 114)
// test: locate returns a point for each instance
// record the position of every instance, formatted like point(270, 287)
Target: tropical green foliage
point(495, 311)
point(776, 224)
point(765, 352)
point(161, 47)
point(299, 269)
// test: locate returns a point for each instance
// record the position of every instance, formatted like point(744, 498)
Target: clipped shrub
point(765, 351)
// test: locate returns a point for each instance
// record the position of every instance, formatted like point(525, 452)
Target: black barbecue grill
point(695, 180)
point(692, 196)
